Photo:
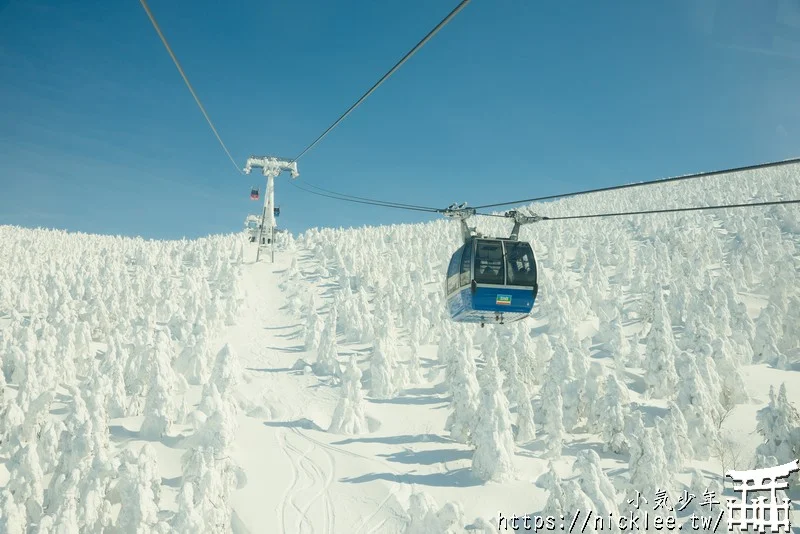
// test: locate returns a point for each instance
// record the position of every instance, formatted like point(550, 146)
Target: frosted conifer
point(382, 371)
point(464, 386)
point(349, 416)
point(492, 437)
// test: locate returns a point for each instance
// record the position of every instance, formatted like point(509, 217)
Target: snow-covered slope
point(181, 387)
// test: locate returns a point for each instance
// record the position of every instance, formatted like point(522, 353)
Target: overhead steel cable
point(667, 210)
point(345, 196)
point(373, 203)
point(188, 84)
point(638, 184)
point(397, 65)
point(377, 202)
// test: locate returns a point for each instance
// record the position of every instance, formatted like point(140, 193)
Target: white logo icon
point(759, 514)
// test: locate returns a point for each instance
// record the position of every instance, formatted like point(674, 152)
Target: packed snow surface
point(178, 386)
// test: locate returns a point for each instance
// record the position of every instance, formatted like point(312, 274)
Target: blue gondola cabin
point(491, 279)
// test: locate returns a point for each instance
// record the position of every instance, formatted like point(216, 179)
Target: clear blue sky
point(513, 98)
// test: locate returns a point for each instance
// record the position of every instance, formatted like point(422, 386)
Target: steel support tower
point(271, 167)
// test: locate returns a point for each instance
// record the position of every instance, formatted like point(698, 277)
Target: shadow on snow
point(308, 424)
point(397, 440)
point(456, 478)
point(431, 457)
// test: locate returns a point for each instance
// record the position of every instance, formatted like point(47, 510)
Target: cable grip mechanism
point(520, 219)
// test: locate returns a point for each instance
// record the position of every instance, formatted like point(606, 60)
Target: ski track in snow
point(320, 480)
point(319, 518)
point(391, 493)
point(305, 505)
point(290, 489)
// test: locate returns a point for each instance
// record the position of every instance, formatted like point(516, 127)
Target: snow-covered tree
point(675, 432)
point(26, 480)
point(327, 355)
point(349, 418)
point(164, 405)
point(216, 421)
point(13, 517)
point(649, 471)
point(596, 485)
point(699, 408)
point(139, 490)
point(463, 384)
point(212, 478)
point(414, 365)
point(492, 437)
point(227, 371)
point(733, 390)
point(593, 393)
point(188, 519)
point(424, 516)
point(768, 330)
point(559, 374)
point(615, 404)
point(313, 331)
point(660, 375)
point(526, 427)
point(553, 406)
point(779, 426)
point(193, 360)
point(620, 348)
point(382, 371)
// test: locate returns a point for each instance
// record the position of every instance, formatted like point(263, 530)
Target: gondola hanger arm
point(462, 212)
point(520, 219)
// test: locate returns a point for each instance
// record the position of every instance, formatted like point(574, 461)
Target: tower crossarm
point(271, 165)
